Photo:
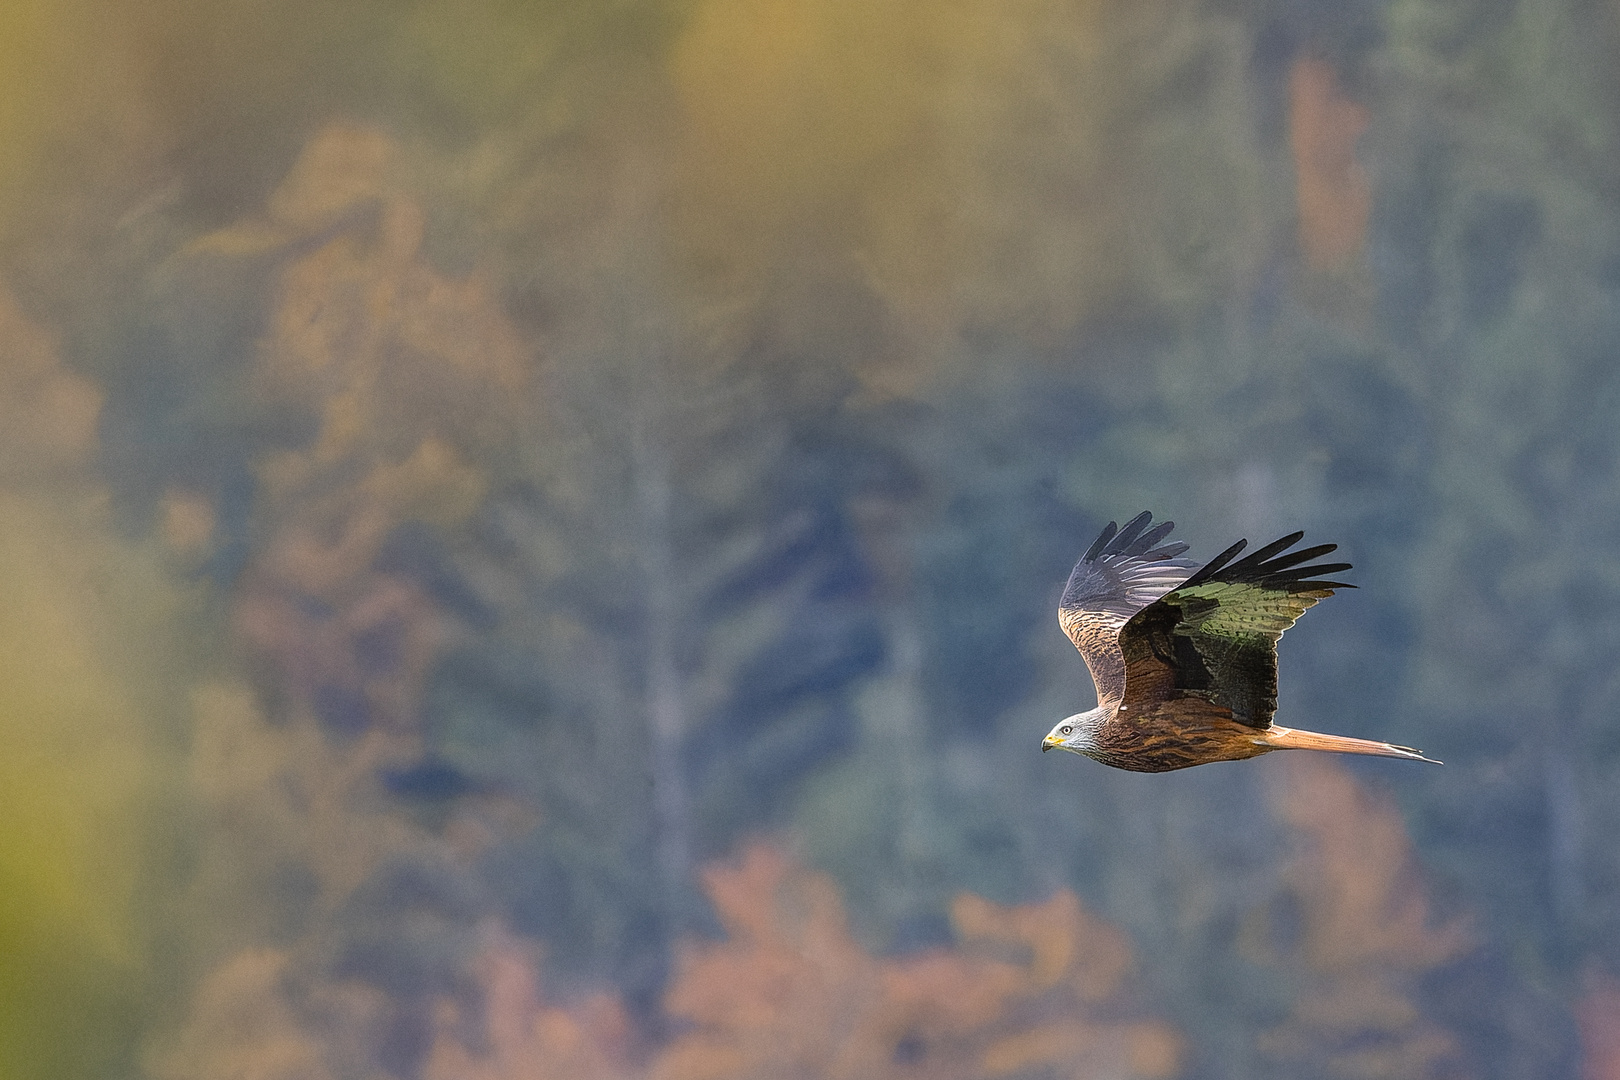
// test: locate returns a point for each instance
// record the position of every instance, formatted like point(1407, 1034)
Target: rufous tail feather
point(1281, 738)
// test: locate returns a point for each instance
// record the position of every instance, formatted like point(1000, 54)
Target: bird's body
point(1184, 657)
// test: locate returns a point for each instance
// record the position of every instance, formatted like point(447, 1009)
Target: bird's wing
point(1215, 635)
point(1121, 573)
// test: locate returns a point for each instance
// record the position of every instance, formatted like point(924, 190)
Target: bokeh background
point(530, 535)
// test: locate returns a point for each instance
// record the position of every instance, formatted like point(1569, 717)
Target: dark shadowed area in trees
point(532, 534)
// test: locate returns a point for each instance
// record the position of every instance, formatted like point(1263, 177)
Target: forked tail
point(1281, 738)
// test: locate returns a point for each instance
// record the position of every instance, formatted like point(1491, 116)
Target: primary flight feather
point(1185, 658)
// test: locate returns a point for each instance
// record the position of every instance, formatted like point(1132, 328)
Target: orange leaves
point(388, 354)
point(1363, 930)
point(523, 1038)
point(1597, 1016)
point(1039, 989)
point(254, 1019)
point(410, 376)
point(1035, 990)
point(1357, 876)
point(387, 351)
point(284, 796)
point(47, 413)
point(1335, 196)
point(1063, 977)
point(791, 993)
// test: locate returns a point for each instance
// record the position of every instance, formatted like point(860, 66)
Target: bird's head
point(1078, 733)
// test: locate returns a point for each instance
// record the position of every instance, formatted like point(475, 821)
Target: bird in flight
point(1185, 658)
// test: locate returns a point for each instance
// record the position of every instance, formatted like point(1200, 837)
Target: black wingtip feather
point(1255, 558)
point(1211, 568)
point(1309, 571)
point(1268, 566)
point(1303, 555)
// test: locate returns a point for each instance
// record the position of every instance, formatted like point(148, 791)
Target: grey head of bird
point(1078, 733)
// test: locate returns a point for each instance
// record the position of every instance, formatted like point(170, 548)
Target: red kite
point(1186, 666)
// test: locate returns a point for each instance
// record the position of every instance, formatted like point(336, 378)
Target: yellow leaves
point(1057, 960)
point(976, 162)
point(1062, 937)
point(410, 376)
point(343, 169)
point(1038, 989)
point(812, 112)
point(82, 635)
point(244, 240)
point(433, 485)
point(67, 76)
point(75, 747)
point(783, 95)
point(30, 39)
point(74, 754)
point(364, 332)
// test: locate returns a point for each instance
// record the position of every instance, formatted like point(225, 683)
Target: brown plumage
point(1186, 662)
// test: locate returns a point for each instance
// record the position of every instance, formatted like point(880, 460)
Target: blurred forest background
point(531, 534)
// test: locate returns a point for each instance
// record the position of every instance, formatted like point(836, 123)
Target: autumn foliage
point(514, 1034)
point(1355, 929)
point(1041, 989)
point(791, 993)
point(1597, 1016)
point(404, 373)
point(48, 415)
point(258, 1017)
point(85, 640)
point(1334, 193)
point(407, 378)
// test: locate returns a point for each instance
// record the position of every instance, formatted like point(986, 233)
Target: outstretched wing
point(1215, 636)
point(1121, 573)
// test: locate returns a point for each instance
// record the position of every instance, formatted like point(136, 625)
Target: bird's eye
point(1066, 729)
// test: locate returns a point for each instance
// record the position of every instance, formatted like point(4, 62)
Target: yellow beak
point(1049, 742)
